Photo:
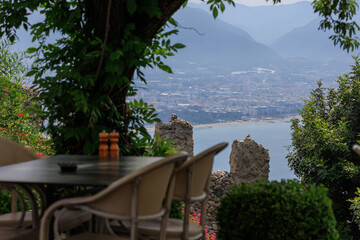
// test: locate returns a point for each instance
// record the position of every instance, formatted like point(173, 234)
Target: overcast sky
point(259, 2)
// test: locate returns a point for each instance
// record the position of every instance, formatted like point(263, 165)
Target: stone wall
point(220, 183)
point(249, 162)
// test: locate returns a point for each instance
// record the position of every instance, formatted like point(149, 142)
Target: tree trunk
point(146, 28)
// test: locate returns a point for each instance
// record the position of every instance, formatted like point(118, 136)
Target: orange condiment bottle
point(103, 148)
point(114, 147)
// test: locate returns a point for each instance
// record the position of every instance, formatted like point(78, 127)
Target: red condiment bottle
point(103, 148)
point(114, 147)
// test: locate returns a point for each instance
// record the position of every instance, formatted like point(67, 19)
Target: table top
point(90, 170)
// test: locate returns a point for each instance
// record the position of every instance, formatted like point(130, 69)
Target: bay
point(274, 136)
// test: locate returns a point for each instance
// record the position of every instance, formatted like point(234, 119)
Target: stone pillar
point(179, 131)
point(249, 161)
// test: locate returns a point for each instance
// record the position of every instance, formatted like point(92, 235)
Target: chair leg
point(99, 224)
point(13, 201)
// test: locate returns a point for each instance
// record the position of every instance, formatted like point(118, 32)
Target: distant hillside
point(216, 45)
point(267, 23)
point(310, 43)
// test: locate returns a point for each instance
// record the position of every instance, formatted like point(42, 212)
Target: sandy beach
point(241, 122)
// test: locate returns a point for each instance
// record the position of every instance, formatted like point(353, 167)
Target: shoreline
point(241, 122)
point(246, 122)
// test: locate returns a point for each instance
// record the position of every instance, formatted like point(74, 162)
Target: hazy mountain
point(215, 44)
point(310, 43)
point(216, 47)
point(267, 23)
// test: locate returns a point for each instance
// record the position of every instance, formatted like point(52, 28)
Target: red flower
point(39, 154)
point(16, 131)
point(38, 141)
point(22, 134)
point(21, 115)
point(27, 148)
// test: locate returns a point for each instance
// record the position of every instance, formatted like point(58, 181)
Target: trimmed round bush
point(276, 210)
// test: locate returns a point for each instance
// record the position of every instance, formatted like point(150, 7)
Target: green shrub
point(321, 150)
point(19, 120)
point(355, 206)
point(276, 210)
point(5, 198)
point(159, 147)
point(176, 209)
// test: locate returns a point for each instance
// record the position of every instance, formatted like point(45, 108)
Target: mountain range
point(216, 45)
point(266, 23)
point(278, 37)
point(283, 37)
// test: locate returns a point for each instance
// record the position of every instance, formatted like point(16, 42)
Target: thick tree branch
point(105, 40)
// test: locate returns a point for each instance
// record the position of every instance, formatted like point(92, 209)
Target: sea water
point(274, 136)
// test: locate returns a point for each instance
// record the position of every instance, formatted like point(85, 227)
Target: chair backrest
point(145, 193)
point(192, 183)
point(11, 152)
point(192, 177)
point(147, 188)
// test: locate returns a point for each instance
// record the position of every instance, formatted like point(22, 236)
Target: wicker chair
point(191, 184)
point(16, 223)
point(144, 194)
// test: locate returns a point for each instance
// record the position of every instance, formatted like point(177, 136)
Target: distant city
point(252, 62)
point(240, 95)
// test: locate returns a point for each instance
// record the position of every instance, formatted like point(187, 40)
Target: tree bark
point(146, 28)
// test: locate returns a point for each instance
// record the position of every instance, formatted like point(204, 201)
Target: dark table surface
point(91, 171)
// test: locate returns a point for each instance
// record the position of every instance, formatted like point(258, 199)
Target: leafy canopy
point(338, 15)
point(86, 75)
point(322, 142)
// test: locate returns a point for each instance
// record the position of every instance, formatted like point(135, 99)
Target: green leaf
point(25, 26)
point(165, 68)
point(172, 22)
point(222, 7)
point(116, 55)
point(215, 12)
point(131, 6)
point(178, 46)
point(31, 50)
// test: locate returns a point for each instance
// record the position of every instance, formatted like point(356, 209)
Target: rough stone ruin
point(249, 161)
point(179, 131)
point(220, 183)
